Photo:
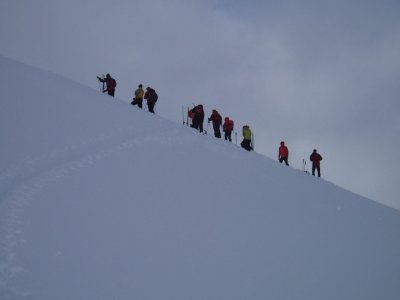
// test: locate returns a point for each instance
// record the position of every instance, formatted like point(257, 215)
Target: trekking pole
point(205, 131)
point(99, 83)
point(304, 166)
point(236, 138)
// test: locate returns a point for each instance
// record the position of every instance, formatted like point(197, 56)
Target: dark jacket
point(215, 118)
point(199, 113)
point(151, 95)
point(111, 83)
point(315, 158)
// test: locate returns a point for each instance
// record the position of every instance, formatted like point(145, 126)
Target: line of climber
point(196, 115)
point(151, 96)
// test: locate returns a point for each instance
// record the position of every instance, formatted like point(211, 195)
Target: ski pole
point(304, 165)
point(99, 84)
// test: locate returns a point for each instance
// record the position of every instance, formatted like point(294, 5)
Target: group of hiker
point(150, 96)
point(196, 114)
point(109, 85)
point(315, 158)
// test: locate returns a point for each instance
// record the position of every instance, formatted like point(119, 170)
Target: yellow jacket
point(246, 133)
point(139, 93)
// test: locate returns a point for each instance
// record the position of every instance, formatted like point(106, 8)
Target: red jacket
point(228, 125)
point(283, 151)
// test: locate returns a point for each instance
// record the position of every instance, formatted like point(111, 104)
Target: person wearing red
point(316, 162)
point(283, 154)
point(228, 128)
point(151, 97)
point(110, 84)
point(217, 122)
point(197, 116)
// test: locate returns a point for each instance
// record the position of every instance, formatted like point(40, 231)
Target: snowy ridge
point(100, 200)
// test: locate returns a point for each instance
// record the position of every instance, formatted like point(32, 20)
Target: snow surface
point(101, 200)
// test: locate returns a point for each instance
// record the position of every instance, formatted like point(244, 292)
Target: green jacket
point(246, 133)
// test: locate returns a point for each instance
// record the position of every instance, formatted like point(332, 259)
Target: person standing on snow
point(283, 153)
point(196, 114)
point(316, 162)
point(217, 122)
point(151, 97)
point(138, 99)
point(199, 117)
point(228, 128)
point(247, 134)
point(111, 84)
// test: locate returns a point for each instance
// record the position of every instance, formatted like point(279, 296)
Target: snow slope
point(100, 200)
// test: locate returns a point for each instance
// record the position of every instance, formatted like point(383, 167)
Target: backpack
point(153, 95)
point(191, 113)
point(228, 125)
point(231, 124)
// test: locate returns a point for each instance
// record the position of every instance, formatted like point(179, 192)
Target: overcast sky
point(316, 74)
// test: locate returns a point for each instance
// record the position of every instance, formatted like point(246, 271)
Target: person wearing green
point(247, 134)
